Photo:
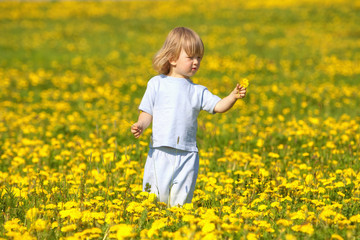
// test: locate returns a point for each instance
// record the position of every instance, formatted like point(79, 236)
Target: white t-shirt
point(175, 104)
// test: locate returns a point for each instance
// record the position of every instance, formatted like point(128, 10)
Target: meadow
point(282, 164)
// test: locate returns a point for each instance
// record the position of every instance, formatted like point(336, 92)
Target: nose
point(196, 61)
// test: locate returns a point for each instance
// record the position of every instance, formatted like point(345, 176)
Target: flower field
point(284, 163)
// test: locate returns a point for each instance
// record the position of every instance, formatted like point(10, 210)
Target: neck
point(175, 75)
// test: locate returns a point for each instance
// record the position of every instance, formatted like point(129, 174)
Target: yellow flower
point(244, 83)
point(124, 231)
point(262, 207)
point(159, 223)
point(284, 222)
point(69, 228)
point(209, 236)
point(298, 215)
point(73, 214)
point(152, 197)
point(188, 206)
point(251, 236)
point(134, 207)
point(309, 179)
point(290, 237)
point(32, 213)
point(275, 205)
point(108, 157)
point(336, 237)
point(208, 227)
point(54, 225)
point(273, 155)
point(305, 228)
point(12, 225)
point(40, 225)
point(188, 218)
point(261, 223)
point(341, 194)
point(259, 142)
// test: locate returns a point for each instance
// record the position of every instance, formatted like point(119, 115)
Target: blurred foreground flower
point(124, 231)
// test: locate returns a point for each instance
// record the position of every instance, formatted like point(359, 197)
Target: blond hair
point(178, 38)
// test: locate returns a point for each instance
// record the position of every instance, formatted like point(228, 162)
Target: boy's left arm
point(143, 122)
point(227, 102)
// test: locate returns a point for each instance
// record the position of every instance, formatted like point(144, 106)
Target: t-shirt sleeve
point(148, 100)
point(209, 101)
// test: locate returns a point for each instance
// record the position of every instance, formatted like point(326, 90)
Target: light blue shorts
point(171, 174)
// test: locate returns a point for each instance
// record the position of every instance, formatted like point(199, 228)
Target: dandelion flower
point(69, 228)
point(124, 231)
point(40, 225)
point(336, 237)
point(244, 82)
point(305, 228)
point(208, 227)
point(32, 213)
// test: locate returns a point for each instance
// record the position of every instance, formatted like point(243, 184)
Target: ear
point(172, 62)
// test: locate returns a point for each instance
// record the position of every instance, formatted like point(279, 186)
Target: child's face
point(185, 66)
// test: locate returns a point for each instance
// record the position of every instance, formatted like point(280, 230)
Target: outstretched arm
point(227, 102)
point(143, 122)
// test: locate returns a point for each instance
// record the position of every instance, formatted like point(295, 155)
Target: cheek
point(188, 63)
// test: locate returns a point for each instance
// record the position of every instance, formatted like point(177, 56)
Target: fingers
point(240, 91)
point(136, 134)
point(134, 127)
point(136, 131)
point(240, 88)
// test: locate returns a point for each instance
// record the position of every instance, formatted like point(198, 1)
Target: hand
point(143, 122)
point(239, 91)
point(227, 102)
point(136, 130)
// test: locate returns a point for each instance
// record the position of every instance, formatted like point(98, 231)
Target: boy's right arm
point(143, 122)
